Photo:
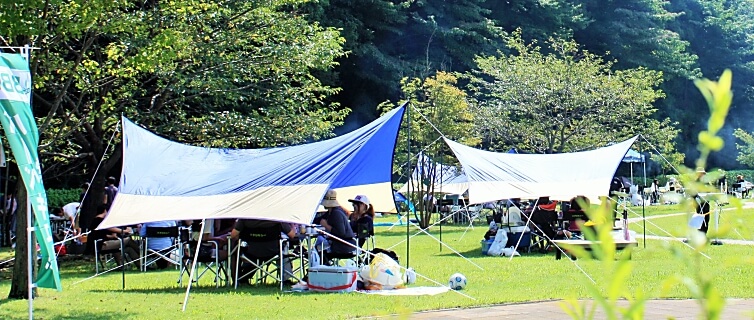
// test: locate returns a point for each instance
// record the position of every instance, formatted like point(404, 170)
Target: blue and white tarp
point(165, 180)
point(493, 176)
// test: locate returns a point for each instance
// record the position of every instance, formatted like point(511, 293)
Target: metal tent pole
point(643, 212)
point(408, 152)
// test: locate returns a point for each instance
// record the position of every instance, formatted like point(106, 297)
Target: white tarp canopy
point(457, 185)
point(164, 180)
point(493, 176)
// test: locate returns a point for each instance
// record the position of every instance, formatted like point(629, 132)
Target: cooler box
point(486, 245)
point(332, 279)
point(514, 233)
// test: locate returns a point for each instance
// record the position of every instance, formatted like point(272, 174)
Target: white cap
point(360, 198)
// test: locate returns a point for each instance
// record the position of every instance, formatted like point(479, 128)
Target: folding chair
point(207, 261)
point(260, 265)
point(150, 256)
point(364, 236)
point(108, 254)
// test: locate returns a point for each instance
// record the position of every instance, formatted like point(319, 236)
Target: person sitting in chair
point(544, 216)
point(159, 244)
point(109, 237)
point(576, 216)
point(336, 224)
point(263, 241)
point(362, 218)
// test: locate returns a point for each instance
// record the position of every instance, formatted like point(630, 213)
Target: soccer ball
point(457, 281)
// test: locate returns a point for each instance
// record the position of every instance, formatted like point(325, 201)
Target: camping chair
point(573, 218)
point(364, 236)
point(261, 266)
point(150, 256)
point(102, 257)
point(207, 261)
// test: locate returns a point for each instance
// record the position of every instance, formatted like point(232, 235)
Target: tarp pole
point(193, 264)
point(442, 180)
point(408, 154)
point(643, 212)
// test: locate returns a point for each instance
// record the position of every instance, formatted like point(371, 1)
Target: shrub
point(59, 197)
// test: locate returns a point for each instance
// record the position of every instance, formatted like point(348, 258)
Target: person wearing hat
point(362, 218)
point(336, 223)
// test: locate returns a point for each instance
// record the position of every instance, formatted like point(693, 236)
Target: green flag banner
point(21, 130)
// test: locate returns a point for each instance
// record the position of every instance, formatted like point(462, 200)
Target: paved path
point(735, 309)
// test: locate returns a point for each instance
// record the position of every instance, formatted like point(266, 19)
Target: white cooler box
point(332, 279)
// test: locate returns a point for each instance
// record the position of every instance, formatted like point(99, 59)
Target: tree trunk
point(19, 288)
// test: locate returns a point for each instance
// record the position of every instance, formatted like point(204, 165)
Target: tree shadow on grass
point(259, 289)
point(477, 253)
point(435, 231)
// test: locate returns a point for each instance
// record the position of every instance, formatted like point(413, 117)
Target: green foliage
point(745, 148)
point(564, 101)
point(638, 33)
point(57, 198)
point(438, 108)
point(700, 284)
point(231, 74)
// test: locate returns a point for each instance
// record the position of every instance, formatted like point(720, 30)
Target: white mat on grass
point(413, 291)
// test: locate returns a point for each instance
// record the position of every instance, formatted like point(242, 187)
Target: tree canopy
point(204, 72)
point(563, 101)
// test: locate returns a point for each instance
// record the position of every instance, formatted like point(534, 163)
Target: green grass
point(530, 277)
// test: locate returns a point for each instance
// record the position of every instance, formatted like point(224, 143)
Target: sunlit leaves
point(719, 97)
point(563, 99)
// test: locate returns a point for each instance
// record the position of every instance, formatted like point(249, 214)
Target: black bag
point(205, 251)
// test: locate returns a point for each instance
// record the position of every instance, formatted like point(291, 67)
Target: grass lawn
point(530, 277)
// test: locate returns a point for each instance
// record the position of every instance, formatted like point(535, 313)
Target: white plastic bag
point(696, 221)
point(510, 251)
point(497, 246)
point(383, 271)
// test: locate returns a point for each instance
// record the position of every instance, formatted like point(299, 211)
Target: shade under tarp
point(633, 156)
point(166, 180)
point(494, 176)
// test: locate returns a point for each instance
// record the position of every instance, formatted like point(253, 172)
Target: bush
point(57, 198)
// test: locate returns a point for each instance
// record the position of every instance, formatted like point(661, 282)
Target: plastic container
point(332, 279)
point(513, 239)
point(486, 245)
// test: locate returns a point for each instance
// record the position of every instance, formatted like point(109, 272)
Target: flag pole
point(30, 261)
point(26, 53)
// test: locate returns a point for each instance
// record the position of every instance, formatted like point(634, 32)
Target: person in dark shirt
point(110, 192)
point(337, 225)
point(544, 215)
point(263, 241)
point(362, 218)
point(110, 237)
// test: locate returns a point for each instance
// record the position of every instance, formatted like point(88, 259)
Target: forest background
point(270, 73)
